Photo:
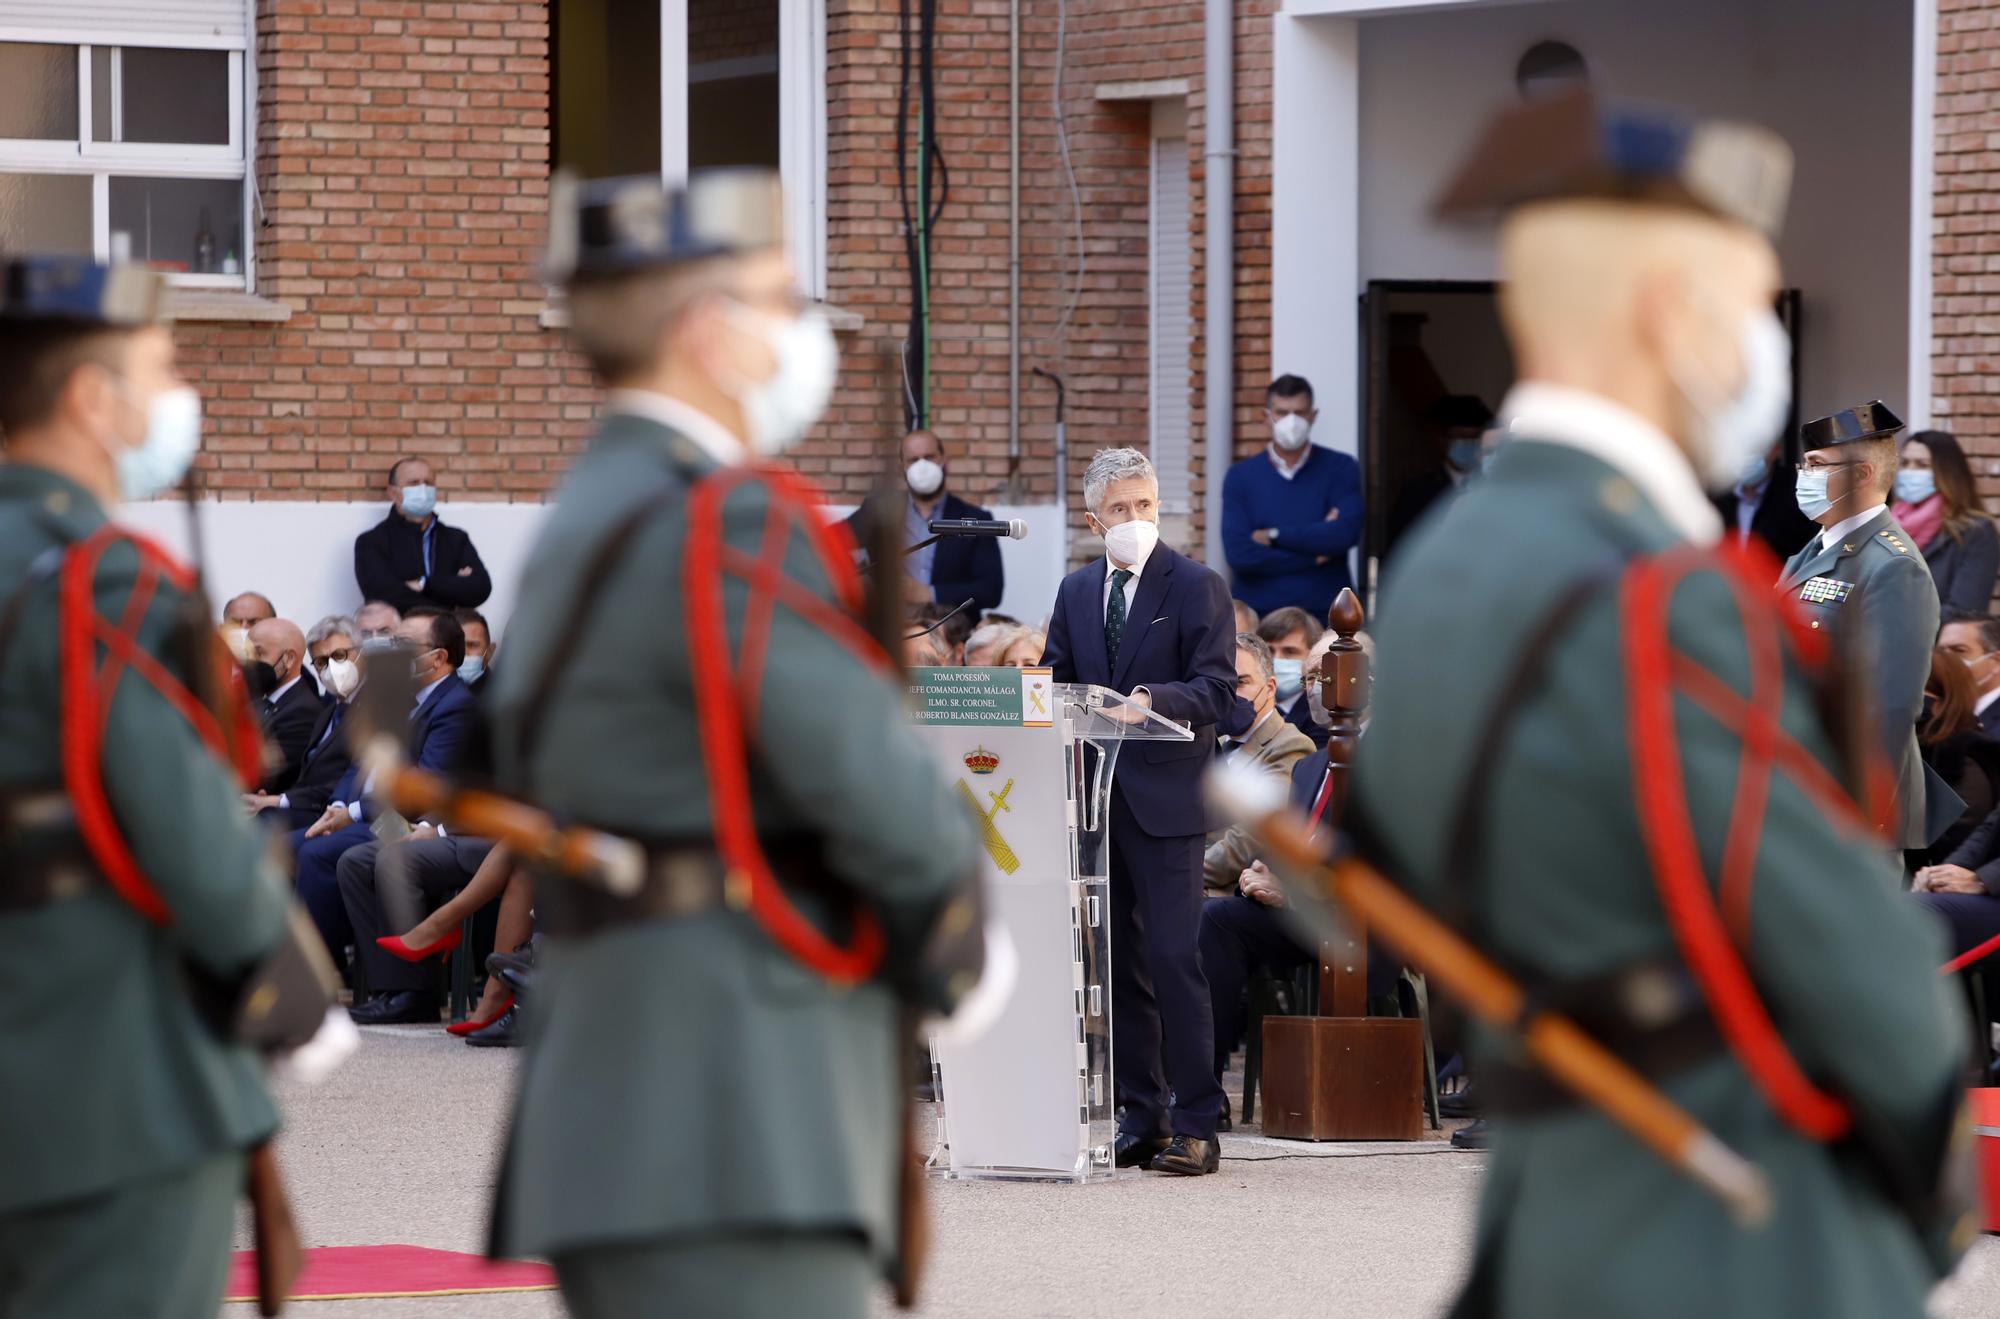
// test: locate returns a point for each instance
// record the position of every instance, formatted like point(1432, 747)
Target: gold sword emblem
point(996, 846)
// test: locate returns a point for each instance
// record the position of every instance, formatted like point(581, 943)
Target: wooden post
point(1343, 675)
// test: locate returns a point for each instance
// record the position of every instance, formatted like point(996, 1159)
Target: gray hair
point(333, 625)
point(995, 635)
point(1111, 466)
point(1260, 650)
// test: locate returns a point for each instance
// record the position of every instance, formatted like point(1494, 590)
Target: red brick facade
point(402, 150)
point(1965, 250)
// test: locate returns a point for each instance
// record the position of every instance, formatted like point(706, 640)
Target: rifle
point(1561, 1047)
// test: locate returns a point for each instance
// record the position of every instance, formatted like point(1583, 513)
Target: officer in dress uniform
point(1861, 578)
point(708, 1116)
point(1643, 814)
point(134, 893)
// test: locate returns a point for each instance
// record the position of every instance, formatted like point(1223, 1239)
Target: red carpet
point(350, 1273)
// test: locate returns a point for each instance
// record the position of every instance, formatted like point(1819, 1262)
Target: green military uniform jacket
point(107, 1075)
point(1577, 1218)
point(1873, 586)
point(687, 1075)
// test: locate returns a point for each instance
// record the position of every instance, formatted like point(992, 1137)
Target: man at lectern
point(1157, 627)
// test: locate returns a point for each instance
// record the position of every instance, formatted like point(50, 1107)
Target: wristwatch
point(1272, 532)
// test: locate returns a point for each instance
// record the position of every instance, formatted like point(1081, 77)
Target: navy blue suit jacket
point(1180, 645)
point(965, 567)
point(441, 730)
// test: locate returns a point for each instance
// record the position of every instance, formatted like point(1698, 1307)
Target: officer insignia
point(1894, 543)
point(989, 836)
point(1825, 591)
point(981, 761)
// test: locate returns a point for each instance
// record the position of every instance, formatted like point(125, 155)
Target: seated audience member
point(1954, 746)
point(1938, 505)
point(410, 558)
point(947, 630)
point(376, 622)
point(1269, 742)
point(478, 666)
point(492, 1022)
point(247, 609)
point(956, 567)
point(1291, 632)
point(1246, 617)
point(291, 710)
point(382, 887)
point(1976, 643)
point(1023, 650)
point(1964, 891)
point(441, 726)
point(988, 642)
point(1764, 503)
point(921, 650)
point(335, 658)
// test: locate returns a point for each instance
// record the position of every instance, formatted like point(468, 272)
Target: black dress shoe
point(1132, 1151)
point(1189, 1156)
point(1222, 1122)
point(1472, 1136)
point(407, 1007)
point(502, 1034)
point(1463, 1102)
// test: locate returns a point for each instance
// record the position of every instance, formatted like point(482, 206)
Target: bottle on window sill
point(204, 246)
point(230, 265)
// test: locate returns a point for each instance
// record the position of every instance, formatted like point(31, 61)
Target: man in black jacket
point(335, 648)
point(411, 558)
point(291, 710)
point(1765, 504)
point(957, 568)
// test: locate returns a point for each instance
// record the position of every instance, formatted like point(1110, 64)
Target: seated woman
point(1023, 650)
point(492, 1022)
point(1938, 505)
point(1952, 744)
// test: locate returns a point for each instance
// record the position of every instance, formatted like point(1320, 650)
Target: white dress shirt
point(1841, 530)
point(1623, 440)
point(713, 437)
point(1985, 700)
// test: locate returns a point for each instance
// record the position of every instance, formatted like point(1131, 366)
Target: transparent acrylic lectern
point(1031, 1096)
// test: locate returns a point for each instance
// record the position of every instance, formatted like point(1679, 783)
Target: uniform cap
point(1867, 421)
point(609, 227)
point(77, 290)
point(1578, 146)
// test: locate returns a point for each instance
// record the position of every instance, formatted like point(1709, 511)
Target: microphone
point(1014, 529)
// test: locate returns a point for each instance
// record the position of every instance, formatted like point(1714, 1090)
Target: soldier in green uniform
point(129, 875)
point(708, 1117)
point(1862, 574)
point(1596, 746)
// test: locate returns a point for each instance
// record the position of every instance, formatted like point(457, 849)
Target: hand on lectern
point(1134, 711)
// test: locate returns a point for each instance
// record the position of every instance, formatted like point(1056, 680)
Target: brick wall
point(1965, 251)
point(402, 162)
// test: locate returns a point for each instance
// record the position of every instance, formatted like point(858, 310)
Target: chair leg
point(461, 973)
point(1421, 991)
point(1253, 1047)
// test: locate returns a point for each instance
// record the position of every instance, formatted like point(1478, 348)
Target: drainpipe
point(1016, 486)
point(1219, 278)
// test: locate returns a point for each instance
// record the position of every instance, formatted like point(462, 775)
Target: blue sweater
point(1254, 497)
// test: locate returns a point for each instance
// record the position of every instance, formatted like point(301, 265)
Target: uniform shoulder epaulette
point(1895, 542)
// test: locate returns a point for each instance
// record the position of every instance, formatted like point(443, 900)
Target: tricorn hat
point(78, 291)
point(608, 227)
point(1865, 421)
point(1576, 145)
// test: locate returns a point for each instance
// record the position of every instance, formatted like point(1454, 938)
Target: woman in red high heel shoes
point(438, 933)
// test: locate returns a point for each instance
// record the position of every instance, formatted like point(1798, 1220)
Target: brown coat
point(1275, 746)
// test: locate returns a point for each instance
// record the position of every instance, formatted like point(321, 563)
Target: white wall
point(1832, 76)
point(301, 555)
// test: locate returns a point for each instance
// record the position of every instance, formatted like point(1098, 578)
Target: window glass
point(100, 94)
point(191, 226)
point(732, 83)
point(179, 96)
point(45, 213)
point(38, 93)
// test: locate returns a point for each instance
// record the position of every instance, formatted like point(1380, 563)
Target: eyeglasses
point(1803, 468)
point(332, 657)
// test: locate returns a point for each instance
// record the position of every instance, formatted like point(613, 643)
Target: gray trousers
point(388, 887)
point(730, 1276)
point(156, 1250)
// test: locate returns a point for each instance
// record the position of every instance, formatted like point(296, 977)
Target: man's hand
point(1133, 713)
point(334, 820)
point(416, 584)
point(1948, 879)
point(1332, 514)
point(1260, 885)
point(466, 571)
point(1261, 535)
point(421, 831)
point(254, 802)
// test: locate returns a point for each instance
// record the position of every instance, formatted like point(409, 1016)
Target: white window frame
point(101, 160)
point(801, 124)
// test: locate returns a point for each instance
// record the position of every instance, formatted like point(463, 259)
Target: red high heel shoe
point(394, 943)
point(470, 1025)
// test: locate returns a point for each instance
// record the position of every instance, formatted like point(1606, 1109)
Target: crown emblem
point(981, 761)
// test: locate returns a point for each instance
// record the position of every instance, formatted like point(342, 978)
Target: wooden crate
point(1343, 1078)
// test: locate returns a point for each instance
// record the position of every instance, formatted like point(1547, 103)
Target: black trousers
point(388, 888)
point(1159, 998)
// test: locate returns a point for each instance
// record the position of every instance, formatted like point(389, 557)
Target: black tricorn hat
point(1578, 146)
point(75, 290)
point(1865, 421)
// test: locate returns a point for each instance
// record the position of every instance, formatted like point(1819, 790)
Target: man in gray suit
point(1862, 574)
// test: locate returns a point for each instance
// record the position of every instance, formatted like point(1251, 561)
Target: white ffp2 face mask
point(1738, 429)
point(925, 478)
point(1131, 542)
point(778, 411)
point(1291, 431)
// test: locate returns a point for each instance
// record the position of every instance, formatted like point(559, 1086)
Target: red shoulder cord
point(726, 696)
point(1711, 936)
point(88, 688)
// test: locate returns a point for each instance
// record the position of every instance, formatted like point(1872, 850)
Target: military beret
point(1867, 421)
point(77, 290)
point(609, 227)
point(1577, 146)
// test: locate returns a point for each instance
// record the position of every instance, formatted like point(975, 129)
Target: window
point(674, 85)
point(128, 151)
